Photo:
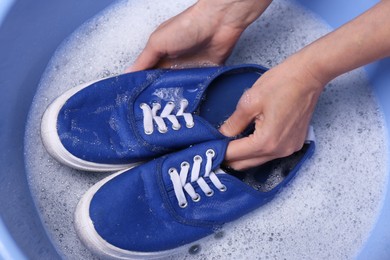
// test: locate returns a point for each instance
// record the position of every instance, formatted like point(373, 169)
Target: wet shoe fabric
point(161, 207)
point(116, 122)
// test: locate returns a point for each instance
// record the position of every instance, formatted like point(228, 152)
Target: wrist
point(314, 66)
point(305, 70)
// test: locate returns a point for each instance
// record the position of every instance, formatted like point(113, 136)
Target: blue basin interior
point(29, 35)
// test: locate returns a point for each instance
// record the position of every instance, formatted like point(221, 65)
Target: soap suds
point(328, 210)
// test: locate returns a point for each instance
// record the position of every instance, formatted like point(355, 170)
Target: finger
point(245, 164)
point(237, 122)
point(146, 60)
point(166, 63)
point(186, 61)
point(247, 147)
point(242, 149)
point(247, 152)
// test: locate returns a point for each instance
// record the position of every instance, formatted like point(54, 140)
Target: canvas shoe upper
point(163, 206)
point(116, 122)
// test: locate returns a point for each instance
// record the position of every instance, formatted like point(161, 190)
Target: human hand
point(282, 101)
point(280, 104)
point(204, 34)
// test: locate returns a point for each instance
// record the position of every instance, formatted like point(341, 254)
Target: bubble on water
point(195, 249)
point(219, 234)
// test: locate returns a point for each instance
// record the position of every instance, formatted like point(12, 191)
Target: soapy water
point(328, 210)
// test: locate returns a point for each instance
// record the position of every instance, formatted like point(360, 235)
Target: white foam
point(327, 212)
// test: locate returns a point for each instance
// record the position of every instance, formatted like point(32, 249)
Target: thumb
point(146, 60)
point(240, 119)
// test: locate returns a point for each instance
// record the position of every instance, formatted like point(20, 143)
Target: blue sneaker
point(161, 207)
point(117, 122)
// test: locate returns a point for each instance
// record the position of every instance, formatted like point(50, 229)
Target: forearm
point(234, 13)
point(357, 43)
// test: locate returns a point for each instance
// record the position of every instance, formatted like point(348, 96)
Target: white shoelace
point(150, 115)
point(180, 183)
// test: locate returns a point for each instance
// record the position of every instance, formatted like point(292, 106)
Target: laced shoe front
point(182, 185)
point(115, 123)
point(162, 207)
point(150, 116)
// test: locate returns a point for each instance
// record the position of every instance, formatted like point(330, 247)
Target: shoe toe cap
point(122, 216)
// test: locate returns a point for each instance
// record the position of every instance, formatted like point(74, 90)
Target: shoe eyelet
point(142, 105)
point(171, 170)
point(162, 130)
point(156, 104)
point(183, 205)
point(184, 101)
point(176, 127)
point(210, 193)
point(197, 158)
point(148, 132)
point(210, 152)
point(223, 188)
point(170, 103)
point(197, 198)
point(190, 125)
point(184, 164)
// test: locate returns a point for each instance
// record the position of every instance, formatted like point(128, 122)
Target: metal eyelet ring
point(183, 205)
point(171, 170)
point(210, 193)
point(197, 198)
point(197, 158)
point(184, 101)
point(210, 152)
point(176, 128)
point(155, 103)
point(163, 131)
point(223, 188)
point(184, 164)
point(142, 105)
point(170, 103)
point(148, 132)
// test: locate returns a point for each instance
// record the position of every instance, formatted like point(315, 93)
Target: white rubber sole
point(93, 241)
point(53, 144)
